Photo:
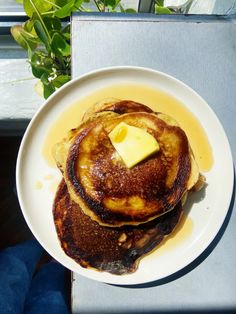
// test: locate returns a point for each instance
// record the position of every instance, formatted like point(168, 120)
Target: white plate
point(207, 214)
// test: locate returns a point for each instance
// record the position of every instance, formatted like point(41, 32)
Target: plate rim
point(87, 76)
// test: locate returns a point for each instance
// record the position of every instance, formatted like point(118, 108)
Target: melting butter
point(132, 144)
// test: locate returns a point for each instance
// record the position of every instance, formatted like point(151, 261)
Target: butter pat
point(132, 144)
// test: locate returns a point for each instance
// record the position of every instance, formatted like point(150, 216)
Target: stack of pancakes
point(108, 216)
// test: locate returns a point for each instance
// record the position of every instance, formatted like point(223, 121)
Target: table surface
point(201, 53)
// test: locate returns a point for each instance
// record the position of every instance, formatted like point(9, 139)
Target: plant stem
point(48, 12)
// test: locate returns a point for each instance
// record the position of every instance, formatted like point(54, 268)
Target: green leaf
point(31, 6)
point(66, 36)
point(110, 3)
point(78, 3)
point(24, 39)
point(61, 3)
point(162, 10)
point(65, 10)
point(19, 1)
point(61, 80)
point(59, 45)
point(52, 23)
point(48, 87)
point(41, 64)
point(130, 10)
point(40, 31)
point(29, 27)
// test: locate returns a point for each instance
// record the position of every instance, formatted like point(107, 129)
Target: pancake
point(116, 106)
point(105, 189)
point(114, 250)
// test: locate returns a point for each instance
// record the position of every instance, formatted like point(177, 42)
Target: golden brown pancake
point(115, 250)
point(114, 195)
point(105, 189)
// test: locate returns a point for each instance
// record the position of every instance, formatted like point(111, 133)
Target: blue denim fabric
point(20, 292)
point(47, 291)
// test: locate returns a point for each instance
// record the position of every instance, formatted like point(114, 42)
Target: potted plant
point(46, 34)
